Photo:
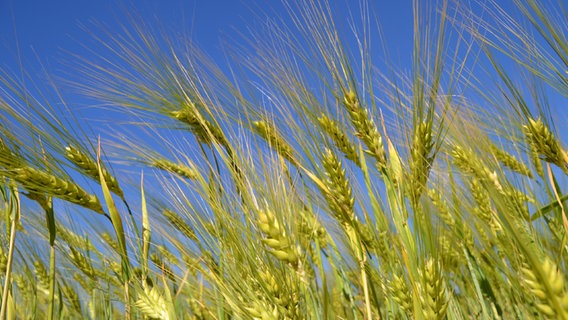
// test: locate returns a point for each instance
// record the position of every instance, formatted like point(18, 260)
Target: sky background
point(38, 34)
point(37, 30)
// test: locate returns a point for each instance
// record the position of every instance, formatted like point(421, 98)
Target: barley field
point(302, 179)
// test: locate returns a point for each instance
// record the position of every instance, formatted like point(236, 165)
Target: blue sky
point(44, 30)
point(40, 34)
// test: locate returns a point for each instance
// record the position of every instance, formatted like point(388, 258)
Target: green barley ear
point(468, 162)
point(269, 133)
point(82, 262)
point(205, 131)
point(198, 309)
point(442, 208)
point(152, 304)
point(535, 158)
point(482, 199)
point(433, 292)
point(260, 310)
point(338, 194)
point(41, 182)
point(42, 277)
point(280, 245)
point(179, 224)
point(543, 141)
point(365, 128)
point(3, 261)
point(339, 137)
point(421, 158)
point(549, 288)
point(72, 297)
point(177, 168)
point(510, 161)
point(88, 166)
point(400, 294)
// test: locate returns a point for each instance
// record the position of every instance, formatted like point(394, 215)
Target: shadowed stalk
point(50, 220)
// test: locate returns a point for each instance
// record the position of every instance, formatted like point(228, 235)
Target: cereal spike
point(82, 161)
point(37, 181)
point(366, 129)
point(339, 194)
point(340, 139)
point(543, 141)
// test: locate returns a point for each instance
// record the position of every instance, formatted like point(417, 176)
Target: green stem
point(51, 282)
point(551, 206)
point(50, 219)
point(14, 218)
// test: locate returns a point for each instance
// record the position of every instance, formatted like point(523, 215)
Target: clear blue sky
point(45, 29)
point(34, 32)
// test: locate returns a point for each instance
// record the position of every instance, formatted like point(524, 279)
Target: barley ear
point(41, 182)
point(338, 189)
point(152, 304)
point(549, 288)
point(280, 245)
point(433, 292)
point(543, 141)
point(510, 161)
point(340, 139)
point(442, 208)
point(86, 164)
point(421, 158)
point(365, 128)
point(205, 131)
point(179, 169)
point(400, 294)
point(178, 223)
point(269, 133)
